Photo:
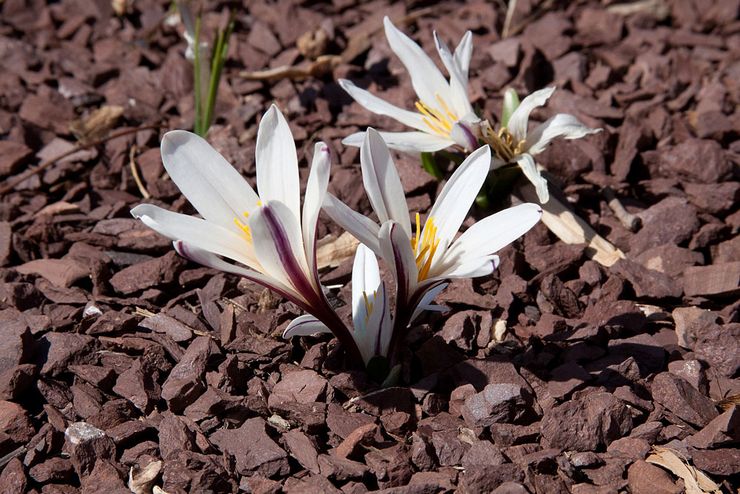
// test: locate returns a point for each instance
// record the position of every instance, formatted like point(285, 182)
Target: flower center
point(502, 142)
point(439, 122)
point(425, 246)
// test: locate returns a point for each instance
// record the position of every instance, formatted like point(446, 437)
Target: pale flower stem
point(571, 229)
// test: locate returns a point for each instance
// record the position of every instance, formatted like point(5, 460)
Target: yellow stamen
point(437, 121)
point(244, 227)
point(446, 108)
point(425, 246)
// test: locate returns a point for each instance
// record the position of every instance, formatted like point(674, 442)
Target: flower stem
point(430, 165)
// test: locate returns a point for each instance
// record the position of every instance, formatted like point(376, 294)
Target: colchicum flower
point(512, 144)
point(444, 115)
point(371, 316)
point(425, 257)
point(261, 237)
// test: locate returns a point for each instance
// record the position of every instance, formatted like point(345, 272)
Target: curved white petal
point(381, 181)
point(361, 227)
point(365, 283)
point(463, 135)
point(517, 124)
point(458, 194)
point(458, 88)
point(211, 260)
point(529, 168)
point(426, 78)
point(318, 181)
point(561, 125)
point(425, 304)
point(197, 232)
point(279, 247)
point(377, 105)
point(305, 325)
point(493, 233)
point(396, 251)
point(214, 187)
point(277, 162)
point(463, 53)
point(413, 142)
point(354, 140)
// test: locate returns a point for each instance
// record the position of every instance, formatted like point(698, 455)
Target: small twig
point(629, 220)
point(78, 147)
point(135, 173)
point(511, 7)
point(13, 454)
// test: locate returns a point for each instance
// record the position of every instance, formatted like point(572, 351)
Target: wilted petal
point(529, 168)
point(457, 196)
point(277, 162)
point(197, 232)
point(318, 181)
point(561, 125)
point(359, 226)
point(214, 187)
point(426, 78)
point(377, 105)
point(305, 325)
point(381, 181)
point(493, 233)
point(519, 119)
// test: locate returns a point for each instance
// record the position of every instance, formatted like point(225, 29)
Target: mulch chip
point(554, 374)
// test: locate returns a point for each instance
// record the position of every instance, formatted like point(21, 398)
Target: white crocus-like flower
point(512, 143)
point(371, 316)
point(423, 258)
point(261, 237)
point(444, 115)
point(188, 22)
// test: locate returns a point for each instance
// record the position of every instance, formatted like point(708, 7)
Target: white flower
point(512, 144)
point(371, 316)
point(261, 237)
point(425, 257)
point(188, 22)
point(445, 116)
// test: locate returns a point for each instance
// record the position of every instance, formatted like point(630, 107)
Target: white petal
point(305, 325)
point(380, 324)
point(464, 136)
point(279, 247)
point(381, 181)
point(458, 194)
point(200, 233)
point(463, 53)
point(458, 88)
point(561, 125)
point(529, 167)
point(493, 233)
point(318, 181)
point(517, 124)
point(426, 78)
point(214, 187)
point(211, 260)
point(365, 283)
point(412, 142)
point(381, 107)
point(425, 304)
point(354, 140)
point(474, 268)
point(361, 227)
point(277, 163)
point(396, 247)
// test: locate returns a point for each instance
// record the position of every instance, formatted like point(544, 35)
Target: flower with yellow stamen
point(444, 115)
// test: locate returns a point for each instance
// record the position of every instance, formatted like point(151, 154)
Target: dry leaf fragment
point(96, 125)
point(695, 481)
point(331, 251)
point(141, 480)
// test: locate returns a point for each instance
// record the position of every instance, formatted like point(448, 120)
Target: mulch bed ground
point(116, 354)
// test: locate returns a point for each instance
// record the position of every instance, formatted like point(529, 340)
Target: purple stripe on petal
point(285, 253)
point(381, 320)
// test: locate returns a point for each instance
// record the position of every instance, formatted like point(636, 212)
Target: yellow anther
point(425, 246)
point(244, 228)
point(259, 203)
point(437, 121)
point(446, 108)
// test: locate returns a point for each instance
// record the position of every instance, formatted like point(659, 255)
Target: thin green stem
point(218, 61)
